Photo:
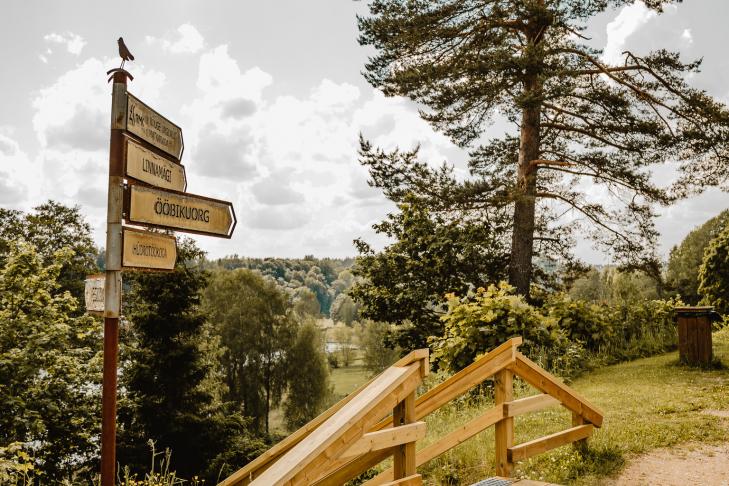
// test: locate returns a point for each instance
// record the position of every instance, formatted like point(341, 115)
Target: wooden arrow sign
point(146, 166)
point(143, 249)
point(128, 113)
point(179, 211)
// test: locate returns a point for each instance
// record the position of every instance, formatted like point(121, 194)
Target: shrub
point(481, 321)
point(565, 335)
point(582, 321)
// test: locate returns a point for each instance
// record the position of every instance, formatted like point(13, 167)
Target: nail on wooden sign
point(143, 249)
point(179, 211)
point(146, 166)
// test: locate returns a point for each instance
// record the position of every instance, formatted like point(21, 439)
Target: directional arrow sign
point(178, 210)
point(150, 126)
point(94, 293)
point(142, 249)
point(146, 166)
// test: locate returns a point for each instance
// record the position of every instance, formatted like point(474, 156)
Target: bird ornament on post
point(125, 56)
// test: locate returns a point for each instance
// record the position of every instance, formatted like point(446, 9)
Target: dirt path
point(692, 463)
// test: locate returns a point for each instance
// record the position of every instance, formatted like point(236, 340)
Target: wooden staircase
point(383, 419)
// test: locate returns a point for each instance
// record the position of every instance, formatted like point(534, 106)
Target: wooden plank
point(322, 463)
point(529, 404)
point(384, 439)
point(544, 444)
point(413, 356)
point(548, 383)
point(251, 470)
point(504, 428)
point(414, 480)
point(447, 442)
point(331, 437)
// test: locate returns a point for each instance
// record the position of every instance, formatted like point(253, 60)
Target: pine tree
point(581, 120)
point(167, 395)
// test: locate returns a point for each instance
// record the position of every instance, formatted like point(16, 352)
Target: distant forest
point(326, 278)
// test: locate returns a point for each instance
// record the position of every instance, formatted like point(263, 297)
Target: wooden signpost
point(146, 187)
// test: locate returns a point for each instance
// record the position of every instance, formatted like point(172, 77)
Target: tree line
point(206, 355)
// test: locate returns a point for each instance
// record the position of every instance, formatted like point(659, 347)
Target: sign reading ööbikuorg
point(144, 249)
point(150, 126)
point(181, 211)
point(146, 166)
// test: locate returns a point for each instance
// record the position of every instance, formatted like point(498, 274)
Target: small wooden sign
point(179, 211)
point(94, 293)
point(150, 126)
point(143, 249)
point(146, 166)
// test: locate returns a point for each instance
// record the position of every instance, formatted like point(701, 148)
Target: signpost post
point(146, 148)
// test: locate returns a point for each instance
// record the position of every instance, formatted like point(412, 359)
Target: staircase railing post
point(504, 428)
point(404, 456)
point(580, 445)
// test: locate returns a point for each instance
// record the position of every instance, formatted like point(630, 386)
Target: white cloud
point(687, 36)
point(74, 43)
point(189, 41)
point(629, 20)
point(289, 163)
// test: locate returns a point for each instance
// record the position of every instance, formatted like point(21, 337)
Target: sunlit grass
point(648, 403)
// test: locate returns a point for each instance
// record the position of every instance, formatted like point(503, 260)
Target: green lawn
point(648, 403)
point(346, 380)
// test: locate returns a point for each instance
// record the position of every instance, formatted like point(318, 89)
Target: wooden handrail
point(351, 437)
point(250, 471)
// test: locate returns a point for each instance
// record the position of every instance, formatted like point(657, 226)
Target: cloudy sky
point(271, 101)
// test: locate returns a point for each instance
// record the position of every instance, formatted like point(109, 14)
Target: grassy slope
point(648, 403)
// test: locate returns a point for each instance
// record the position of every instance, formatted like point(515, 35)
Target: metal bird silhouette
point(124, 52)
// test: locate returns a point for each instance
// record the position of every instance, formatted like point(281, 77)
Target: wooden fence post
point(404, 456)
point(580, 445)
point(504, 428)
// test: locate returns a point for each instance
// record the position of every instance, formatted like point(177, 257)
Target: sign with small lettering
point(146, 166)
point(94, 293)
point(180, 211)
point(143, 249)
point(150, 126)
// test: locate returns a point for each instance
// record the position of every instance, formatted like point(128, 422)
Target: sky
point(271, 100)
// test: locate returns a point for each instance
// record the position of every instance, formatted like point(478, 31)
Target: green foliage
point(564, 335)
point(714, 273)
point(49, 369)
point(344, 309)
point(167, 398)
point(325, 277)
point(252, 315)
point(682, 275)
point(611, 285)
point(376, 356)
point(584, 322)
point(308, 373)
point(305, 303)
point(431, 256)
point(50, 228)
point(480, 322)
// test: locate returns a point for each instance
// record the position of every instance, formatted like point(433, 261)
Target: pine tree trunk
point(522, 241)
